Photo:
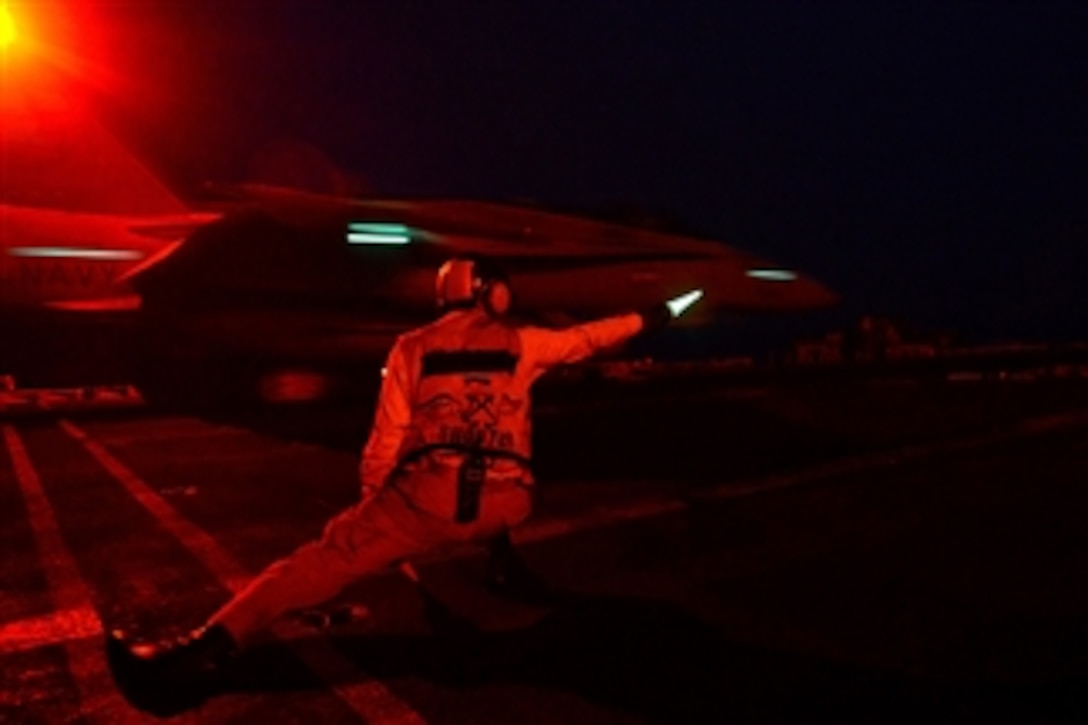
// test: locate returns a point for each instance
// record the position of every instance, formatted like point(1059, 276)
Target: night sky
point(927, 160)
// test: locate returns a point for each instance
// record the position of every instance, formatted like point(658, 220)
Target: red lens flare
point(8, 32)
point(50, 50)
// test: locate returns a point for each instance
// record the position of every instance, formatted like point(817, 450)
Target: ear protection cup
point(497, 297)
point(466, 281)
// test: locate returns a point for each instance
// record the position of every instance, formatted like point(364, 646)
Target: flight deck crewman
point(447, 461)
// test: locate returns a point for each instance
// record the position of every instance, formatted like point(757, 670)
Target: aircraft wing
point(283, 247)
point(173, 227)
point(475, 227)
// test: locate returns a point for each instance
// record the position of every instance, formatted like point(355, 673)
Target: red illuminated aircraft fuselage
point(559, 262)
point(289, 278)
point(87, 229)
point(310, 276)
point(59, 260)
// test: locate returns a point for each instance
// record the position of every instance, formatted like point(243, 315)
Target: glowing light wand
point(679, 305)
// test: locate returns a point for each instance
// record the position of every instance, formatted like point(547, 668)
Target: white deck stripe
point(27, 634)
point(99, 700)
point(73, 624)
point(370, 699)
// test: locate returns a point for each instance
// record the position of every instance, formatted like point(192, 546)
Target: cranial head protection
point(465, 282)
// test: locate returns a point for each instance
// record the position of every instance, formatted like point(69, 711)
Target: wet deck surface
point(913, 553)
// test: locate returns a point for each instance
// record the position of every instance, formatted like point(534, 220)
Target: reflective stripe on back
point(442, 362)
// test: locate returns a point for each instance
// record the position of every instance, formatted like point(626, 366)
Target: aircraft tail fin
point(63, 158)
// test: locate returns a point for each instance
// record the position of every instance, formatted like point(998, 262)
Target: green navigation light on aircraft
point(679, 305)
point(378, 233)
point(772, 275)
point(8, 33)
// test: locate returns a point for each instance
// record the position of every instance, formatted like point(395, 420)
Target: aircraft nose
point(778, 288)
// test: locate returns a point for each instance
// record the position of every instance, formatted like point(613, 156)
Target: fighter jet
point(558, 261)
point(292, 280)
point(273, 278)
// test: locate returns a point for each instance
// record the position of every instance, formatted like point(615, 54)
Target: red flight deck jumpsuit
point(456, 386)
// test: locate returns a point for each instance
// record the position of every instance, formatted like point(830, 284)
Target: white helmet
point(464, 282)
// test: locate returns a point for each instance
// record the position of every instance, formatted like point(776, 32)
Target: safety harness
point(471, 474)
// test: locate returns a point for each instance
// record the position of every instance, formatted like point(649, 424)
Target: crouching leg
point(176, 674)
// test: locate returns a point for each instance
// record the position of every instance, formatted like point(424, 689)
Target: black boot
point(508, 575)
point(173, 675)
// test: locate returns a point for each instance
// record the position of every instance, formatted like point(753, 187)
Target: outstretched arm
point(548, 348)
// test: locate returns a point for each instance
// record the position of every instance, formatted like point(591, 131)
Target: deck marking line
point(81, 623)
point(370, 699)
point(30, 633)
point(70, 593)
point(72, 624)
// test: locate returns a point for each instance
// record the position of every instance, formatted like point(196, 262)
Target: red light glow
point(293, 386)
point(49, 49)
point(8, 33)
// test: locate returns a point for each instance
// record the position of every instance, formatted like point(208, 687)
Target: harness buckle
point(470, 485)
